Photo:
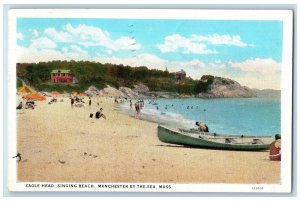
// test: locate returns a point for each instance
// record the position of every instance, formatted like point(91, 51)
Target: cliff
point(220, 88)
point(139, 91)
point(225, 88)
point(216, 87)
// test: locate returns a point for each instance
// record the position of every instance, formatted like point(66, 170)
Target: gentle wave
point(161, 117)
point(241, 116)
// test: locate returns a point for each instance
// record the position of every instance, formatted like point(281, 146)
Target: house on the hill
point(61, 76)
point(180, 75)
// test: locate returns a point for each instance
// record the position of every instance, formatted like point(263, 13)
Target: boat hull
point(176, 137)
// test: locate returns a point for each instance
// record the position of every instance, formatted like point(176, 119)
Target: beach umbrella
point(30, 89)
point(35, 96)
point(25, 90)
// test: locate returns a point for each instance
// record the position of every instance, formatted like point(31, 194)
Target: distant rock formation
point(226, 88)
point(267, 93)
point(122, 92)
point(142, 90)
point(218, 88)
point(139, 91)
point(128, 93)
point(92, 90)
point(161, 94)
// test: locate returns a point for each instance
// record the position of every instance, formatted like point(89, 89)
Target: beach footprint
point(61, 162)
point(90, 155)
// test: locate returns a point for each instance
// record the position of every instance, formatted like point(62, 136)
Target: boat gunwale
point(217, 134)
point(261, 146)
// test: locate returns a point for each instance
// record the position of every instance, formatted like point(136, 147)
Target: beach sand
point(61, 144)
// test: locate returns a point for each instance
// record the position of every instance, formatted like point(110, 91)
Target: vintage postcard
point(139, 100)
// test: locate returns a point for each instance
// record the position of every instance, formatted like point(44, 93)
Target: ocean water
point(247, 116)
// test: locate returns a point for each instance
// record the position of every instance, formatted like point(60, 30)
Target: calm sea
point(247, 116)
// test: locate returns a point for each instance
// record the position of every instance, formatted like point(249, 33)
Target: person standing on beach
point(130, 104)
point(142, 101)
point(90, 102)
point(275, 149)
point(72, 102)
point(137, 109)
point(98, 100)
point(139, 104)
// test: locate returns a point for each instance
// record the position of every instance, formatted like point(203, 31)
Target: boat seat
point(230, 140)
point(257, 141)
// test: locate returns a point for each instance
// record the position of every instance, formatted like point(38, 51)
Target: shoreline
point(182, 117)
point(122, 149)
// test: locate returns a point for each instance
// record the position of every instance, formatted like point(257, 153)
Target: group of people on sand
point(98, 114)
point(53, 100)
point(28, 105)
point(76, 101)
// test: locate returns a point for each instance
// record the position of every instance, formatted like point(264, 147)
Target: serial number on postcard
point(257, 188)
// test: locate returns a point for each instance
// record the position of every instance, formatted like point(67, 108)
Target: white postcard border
point(285, 16)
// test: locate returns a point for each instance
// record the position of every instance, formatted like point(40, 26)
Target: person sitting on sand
point(99, 114)
point(20, 106)
point(202, 126)
point(53, 100)
point(275, 149)
point(30, 101)
point(29, 105)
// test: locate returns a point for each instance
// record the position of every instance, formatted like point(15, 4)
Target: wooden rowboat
point(199, 139)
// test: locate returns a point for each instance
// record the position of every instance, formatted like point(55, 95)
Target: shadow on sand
point(220, 149)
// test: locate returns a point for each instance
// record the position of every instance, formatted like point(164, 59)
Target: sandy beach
point(61, 144)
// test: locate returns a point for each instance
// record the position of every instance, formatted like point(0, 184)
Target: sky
point(249, 52)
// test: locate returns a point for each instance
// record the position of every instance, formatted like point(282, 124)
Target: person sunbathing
point(29, 105)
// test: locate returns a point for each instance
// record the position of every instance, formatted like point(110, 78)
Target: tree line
point(99, 75)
